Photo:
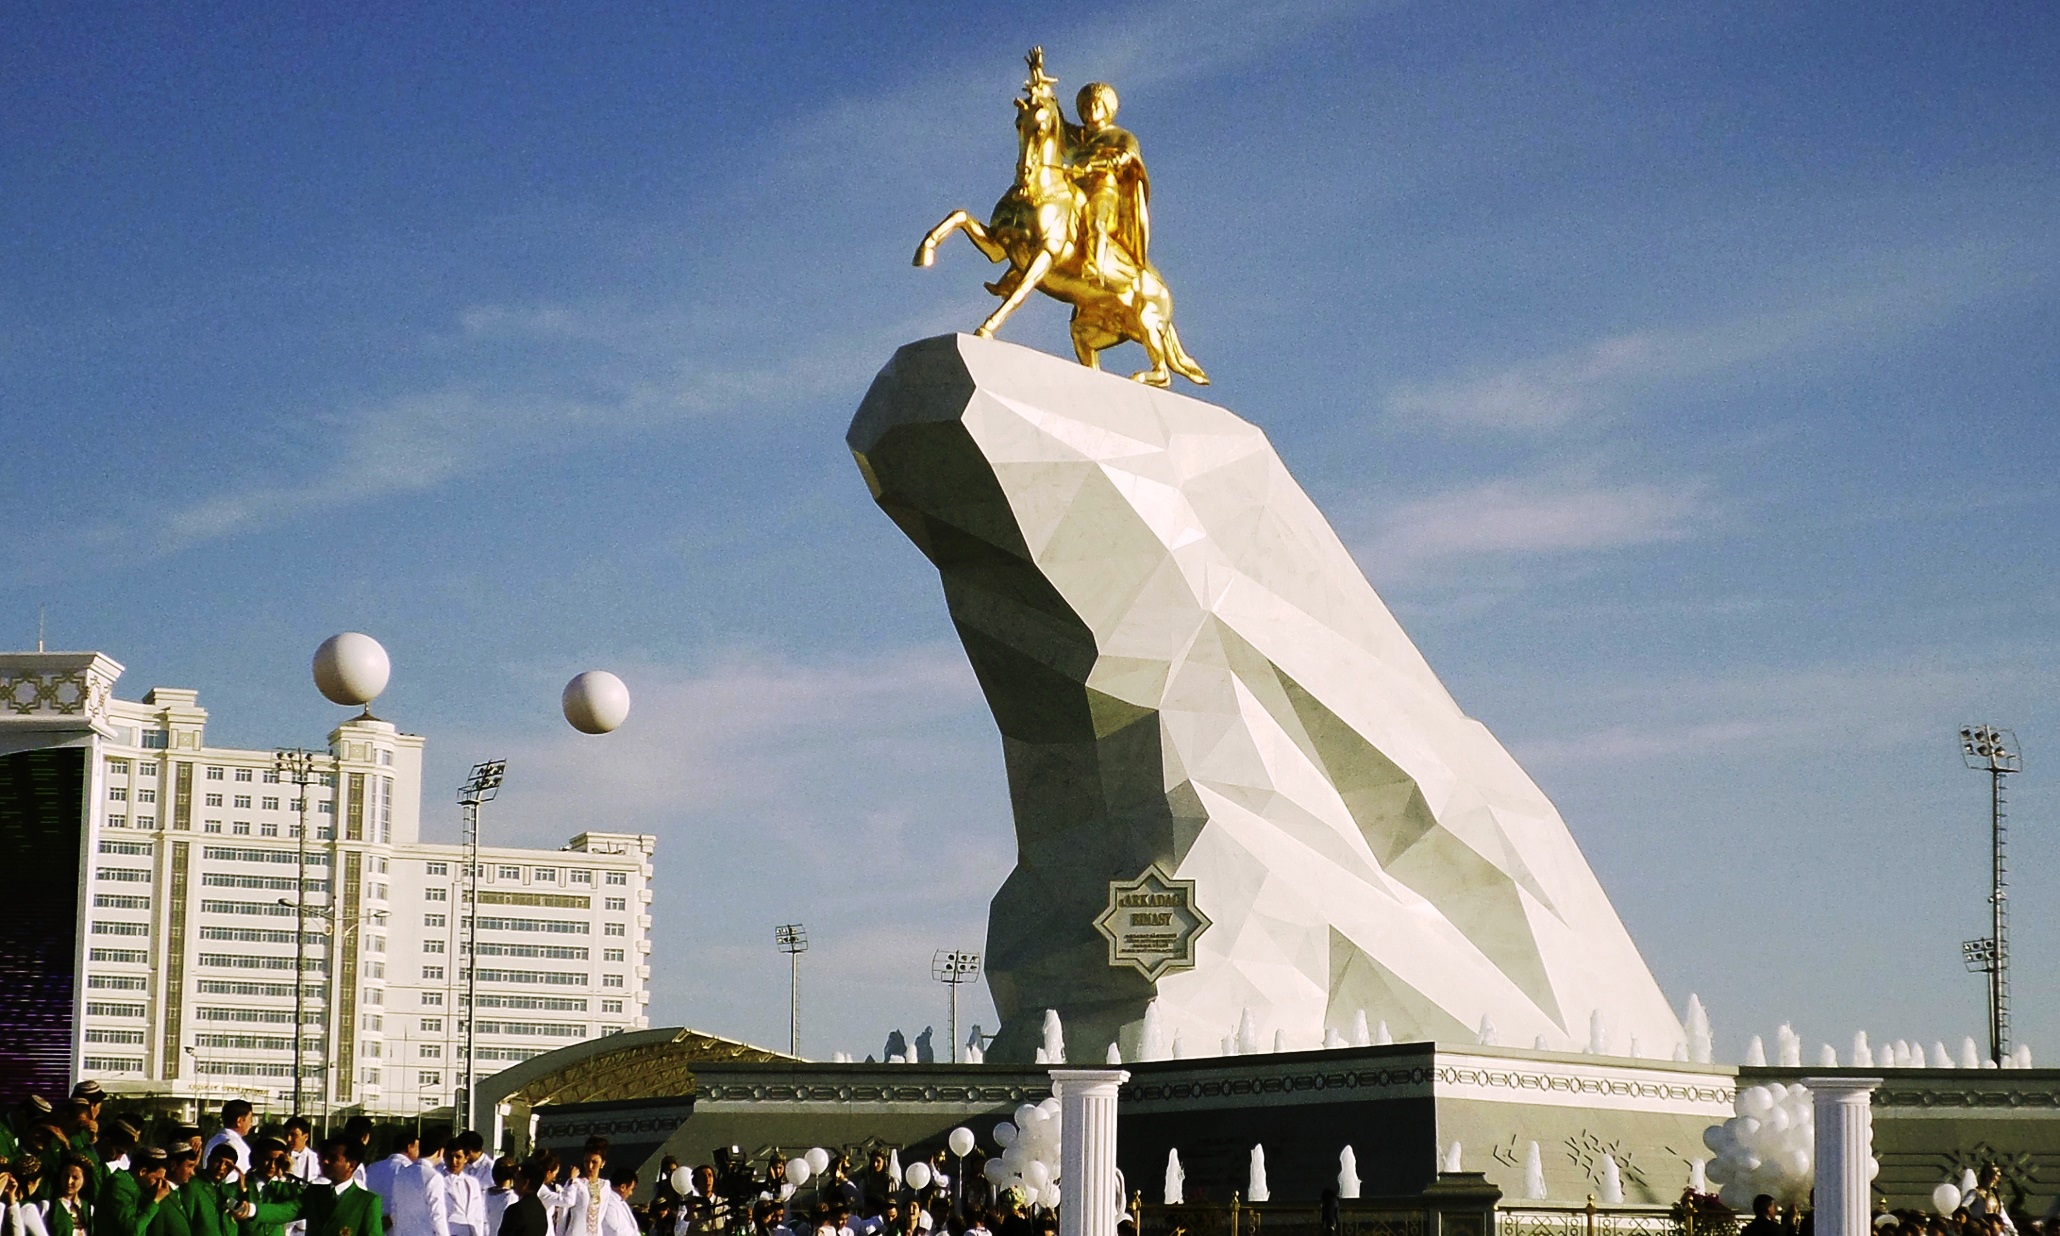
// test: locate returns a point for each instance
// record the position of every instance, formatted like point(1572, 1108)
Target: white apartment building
point(189, 881)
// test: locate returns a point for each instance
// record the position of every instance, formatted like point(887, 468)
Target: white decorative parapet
point(1845, 1153)
point(1087, 1149)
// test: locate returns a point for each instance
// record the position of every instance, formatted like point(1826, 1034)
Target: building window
point(212, 826)
point(146, 796)
point(241, 828)
point(271, 804)
point(243, 802)
point(431, 1079)
point(117, 821)
point(148, 768)
point(613, 929)
point(268, 829)
point(436, 894)
point(271, 776)
point(611, 1006)
point(432, 974)
point(432, 999)
point(432, 946)
point(386, 759)
point(611, 954)
point(117, 794)
point(118, 767)
point(438, 869)
point(509, 873)
point(432, 1051)
point(432, 1025)
point(156, 740)
point(375, 969)
point(325, 808)
point(548, 874)
point(611, 980)
point(243, 774)
point(213, 800)
point(582, 877)
point(618, 878)
point(146, 821)
point(615, 903)
point(214, 773)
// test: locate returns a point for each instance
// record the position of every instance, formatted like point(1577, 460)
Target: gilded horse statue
point(1075, 225)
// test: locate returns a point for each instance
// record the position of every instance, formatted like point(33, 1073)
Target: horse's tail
point(1183, 364)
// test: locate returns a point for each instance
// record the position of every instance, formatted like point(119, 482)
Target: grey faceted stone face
point(1189, 670)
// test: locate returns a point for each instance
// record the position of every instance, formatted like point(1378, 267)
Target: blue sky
point(1683, 376)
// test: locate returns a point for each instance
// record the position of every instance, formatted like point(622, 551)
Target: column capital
point(1087, 1079)
point(1842, 1089)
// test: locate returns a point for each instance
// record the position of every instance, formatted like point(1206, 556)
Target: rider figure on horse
point(1109, 168)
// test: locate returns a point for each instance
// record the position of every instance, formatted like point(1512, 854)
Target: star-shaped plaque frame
point(1152, 923)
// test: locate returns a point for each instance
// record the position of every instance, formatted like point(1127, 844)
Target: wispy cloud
point(846, 795)
point(1890, 293)
point(1874, 703)
point(1532, 516)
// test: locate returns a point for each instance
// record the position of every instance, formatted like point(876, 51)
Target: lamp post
point(296, 767)
point(341, 926)
point(481, 787)
point(953, 967)
point(793, 941)
point(1985, 748)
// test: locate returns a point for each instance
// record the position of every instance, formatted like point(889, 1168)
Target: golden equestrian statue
point(1076, 226)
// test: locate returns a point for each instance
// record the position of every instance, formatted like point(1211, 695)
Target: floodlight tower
point(953, 967)
point(296, 767)
point(481, 787)
point(1987, 749)
point(793, 941)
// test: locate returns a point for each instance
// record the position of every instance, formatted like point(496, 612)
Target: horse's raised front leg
point(1033, 274)
point(958, 221)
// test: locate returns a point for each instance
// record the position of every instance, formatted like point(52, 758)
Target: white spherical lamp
point(351, 668)
point(595, 702)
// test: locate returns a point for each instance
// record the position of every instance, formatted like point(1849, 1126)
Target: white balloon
point(1037, 1173)
point(595, 702)
point(351, 668)
point(917, 1175)
point(960, 1141)
point(996, 1171)
point(818, 1160)
point(1050, 1194)
point(1023, 1113)
point(1029, 1195)
point(682, 1180)
point(798, 1172)
point(1049, 1107)
point(1946, 1198)
point(1004, 1134)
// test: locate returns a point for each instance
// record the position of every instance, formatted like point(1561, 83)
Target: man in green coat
point(342, 1207)
point(271, 1189)
point(173, 1217)
point(130, 1198)
point(213, 1200)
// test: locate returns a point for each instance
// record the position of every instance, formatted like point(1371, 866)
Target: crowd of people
point(66, 1172)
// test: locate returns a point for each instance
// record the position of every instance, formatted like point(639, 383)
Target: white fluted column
point(1844, 1153)
point(1089, 1204)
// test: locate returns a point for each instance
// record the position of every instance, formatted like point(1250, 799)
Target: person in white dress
point(419, 1205)
point(464, 1200)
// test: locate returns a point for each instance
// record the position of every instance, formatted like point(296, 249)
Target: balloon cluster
point(1768, 1147)
point(1029, 1154)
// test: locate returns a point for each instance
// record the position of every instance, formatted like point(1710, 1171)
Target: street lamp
point(296, 767)
point(481, 787)
point(953, 967)
point(1984, 748)
point(793, 941)
point(342, 927)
